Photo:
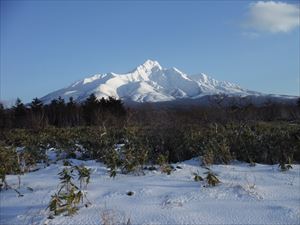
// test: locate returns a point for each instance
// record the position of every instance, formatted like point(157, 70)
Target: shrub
point(112, 162)
point(164, 166)
point(9, 165)
point(83, 175)
point(216, 149)
point(285, 166)
point(197, 176)
point(129, 154)
point(69, 196)
point(211, 178)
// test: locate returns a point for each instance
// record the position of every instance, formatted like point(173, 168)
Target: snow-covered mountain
point(149, 82)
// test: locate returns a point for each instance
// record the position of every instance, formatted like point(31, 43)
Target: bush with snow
point(69, 196)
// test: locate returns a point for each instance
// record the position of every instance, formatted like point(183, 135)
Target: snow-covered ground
point(246, 195)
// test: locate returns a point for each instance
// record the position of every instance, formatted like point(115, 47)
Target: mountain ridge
point(149, 82)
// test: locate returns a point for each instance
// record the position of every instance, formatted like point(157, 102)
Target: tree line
point(62, 114)
point(112, 112)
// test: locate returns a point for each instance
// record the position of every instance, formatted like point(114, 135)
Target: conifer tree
point(72, 113)
point(90, 108)
point(36, 105)
point(37, 113)
point(20, 113)
point(3, 117)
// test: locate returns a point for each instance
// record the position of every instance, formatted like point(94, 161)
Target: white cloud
point(274, 17)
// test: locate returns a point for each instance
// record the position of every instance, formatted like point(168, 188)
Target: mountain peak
point(150, 64)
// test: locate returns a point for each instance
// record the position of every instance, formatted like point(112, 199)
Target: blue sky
point(48, 45)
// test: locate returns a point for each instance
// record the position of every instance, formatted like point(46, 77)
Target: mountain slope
point(149, 82)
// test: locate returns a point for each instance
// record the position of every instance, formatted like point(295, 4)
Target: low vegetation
point(211, 178)
point(69, 196)
point(197, 176)
point(269, 143)
point(126, 139)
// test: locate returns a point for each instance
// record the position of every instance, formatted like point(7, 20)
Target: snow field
point(246, 195)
